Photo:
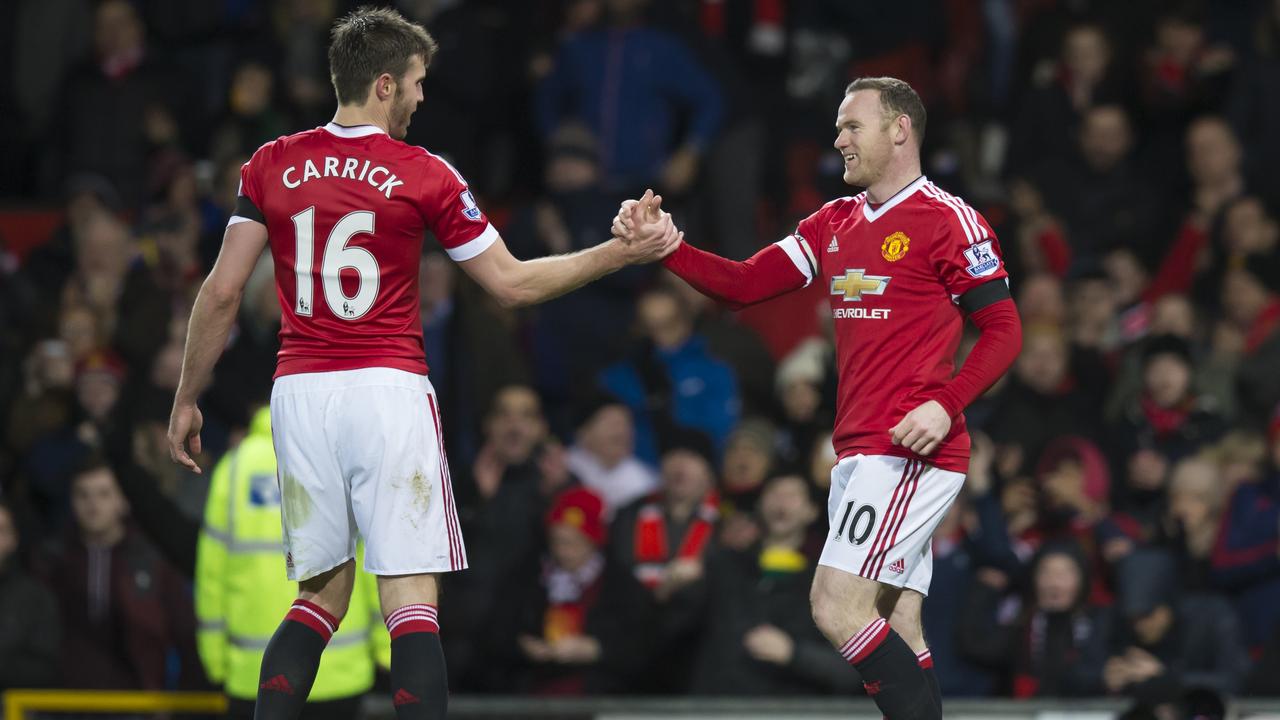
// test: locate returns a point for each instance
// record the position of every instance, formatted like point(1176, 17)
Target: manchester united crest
point(895, 246)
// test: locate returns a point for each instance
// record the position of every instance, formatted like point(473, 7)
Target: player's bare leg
point(903, 608)
point(846, 610)
point(293, 655)
point(419, 683)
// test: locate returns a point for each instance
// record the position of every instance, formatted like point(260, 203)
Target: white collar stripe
point(893, 202)
point(965, 222)
point(980, 233)
point(354, 131)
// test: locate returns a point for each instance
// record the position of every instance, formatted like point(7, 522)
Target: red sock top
point(413, 618)
point(314, 617)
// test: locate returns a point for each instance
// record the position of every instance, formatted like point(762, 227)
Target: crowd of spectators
point(642, 475)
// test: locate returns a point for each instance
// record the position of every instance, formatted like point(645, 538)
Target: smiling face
point(864, 137)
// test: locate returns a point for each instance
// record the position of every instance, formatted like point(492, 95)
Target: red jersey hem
point(297, 366)
point(950, 463)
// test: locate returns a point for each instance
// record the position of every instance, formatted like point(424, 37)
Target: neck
point(680, 510)
point(352, 115)
point(789, 540)
point(897, 176)
point(108, 537)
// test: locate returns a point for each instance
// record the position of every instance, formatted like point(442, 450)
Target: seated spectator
point(806, 414)
point(759, 640)
point(30, 632)
point(661, 543)
point(748, 460)
point(569, 630)
point(1172, 640)
point(672, 380)
point(603, 455)
point(123, 609)
point(1196, 501)
point(1251, 304)
point(1056, 643)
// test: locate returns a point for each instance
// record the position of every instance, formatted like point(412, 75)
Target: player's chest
point(867, 261)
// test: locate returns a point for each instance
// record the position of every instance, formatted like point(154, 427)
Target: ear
point(384, 86)
point(903, 133)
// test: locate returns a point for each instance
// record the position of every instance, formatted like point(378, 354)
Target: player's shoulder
point(952, 210)
point(431, 163)
point(281, 146)
point(841, 206)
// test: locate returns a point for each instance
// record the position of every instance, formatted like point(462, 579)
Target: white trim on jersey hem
point(791, 245)
point(475, 246)
point(891, 203)
point(354, 131)
point(237, 219)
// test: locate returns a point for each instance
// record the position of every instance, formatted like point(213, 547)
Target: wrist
point(949, 403)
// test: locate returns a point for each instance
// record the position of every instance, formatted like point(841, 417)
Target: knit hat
point(582, 509)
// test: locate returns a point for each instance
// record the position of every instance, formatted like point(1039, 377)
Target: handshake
point(644, 231)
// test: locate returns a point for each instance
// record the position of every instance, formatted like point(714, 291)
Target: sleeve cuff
point(475, 246)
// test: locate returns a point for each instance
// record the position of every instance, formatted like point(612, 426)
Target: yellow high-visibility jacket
point(242, 593)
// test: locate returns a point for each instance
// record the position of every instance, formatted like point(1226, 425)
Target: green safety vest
point(242, 591)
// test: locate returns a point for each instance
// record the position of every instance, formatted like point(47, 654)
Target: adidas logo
point(897, 567)
point(278, 683)
point(834, 246)
point(404, 697)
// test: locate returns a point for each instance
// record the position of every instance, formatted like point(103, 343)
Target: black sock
point(890, 673)
point(925, 660)
point(419, 683)
point(292, 658)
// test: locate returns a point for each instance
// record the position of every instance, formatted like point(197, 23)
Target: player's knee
point(826, 611)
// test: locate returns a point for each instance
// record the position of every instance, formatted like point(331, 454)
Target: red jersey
point(894, 274)
point(346, 209)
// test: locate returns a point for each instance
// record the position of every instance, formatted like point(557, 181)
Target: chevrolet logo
point(853, 285)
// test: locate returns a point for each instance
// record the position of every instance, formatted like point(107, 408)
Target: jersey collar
point(903, 194)
point(353, 131)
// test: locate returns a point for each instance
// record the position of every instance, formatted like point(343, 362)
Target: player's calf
point(419, 681)
point(844, 608)
point(293, 656)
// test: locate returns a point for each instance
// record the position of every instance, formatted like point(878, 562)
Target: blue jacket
point(628, 87)
point(704, 395)
point(1245, 561)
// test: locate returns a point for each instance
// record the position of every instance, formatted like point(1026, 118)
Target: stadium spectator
point(1056, 645)
point(603, 455)
point(568, 628)
point(101, 119)
point(661, 543)
point(123, 608)
point(1171, 642)
point(672, 380)
point(1251, 305)
point(30, 630)
point(758, 639)
point(634, 86)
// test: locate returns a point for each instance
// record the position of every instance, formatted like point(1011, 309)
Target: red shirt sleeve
point(786, 265)
point(966, 253)
point(450, 210)
point(998, 345)
point(249, 200)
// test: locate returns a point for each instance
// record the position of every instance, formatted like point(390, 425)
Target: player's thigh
point(317, 527)
point(331, 590)
point(888, 510)
point(401, 493)
point(843, 603)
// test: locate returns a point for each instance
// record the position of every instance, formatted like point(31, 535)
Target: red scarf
point(1267, 322)
point(1165, 420)
point(652, 548)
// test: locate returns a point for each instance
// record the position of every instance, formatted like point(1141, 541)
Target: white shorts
point(883, 511)
point(359, 453)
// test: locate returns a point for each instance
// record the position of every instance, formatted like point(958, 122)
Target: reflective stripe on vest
point(241, 642)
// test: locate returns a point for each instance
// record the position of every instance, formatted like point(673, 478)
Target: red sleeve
point(450, 210)
point(766, 274)
point(998, 344)
point(966, 253)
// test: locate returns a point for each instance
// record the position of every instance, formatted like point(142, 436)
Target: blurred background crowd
point(641, 475)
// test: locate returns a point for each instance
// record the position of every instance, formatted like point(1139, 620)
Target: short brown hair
point(371, 41)
point(896, 98)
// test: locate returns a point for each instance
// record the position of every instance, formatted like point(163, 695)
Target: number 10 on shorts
point(857, 520)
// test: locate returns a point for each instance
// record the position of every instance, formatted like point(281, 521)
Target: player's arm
point(211, 319)
point(517, 283)
point(991, 309)
point(779, 268)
